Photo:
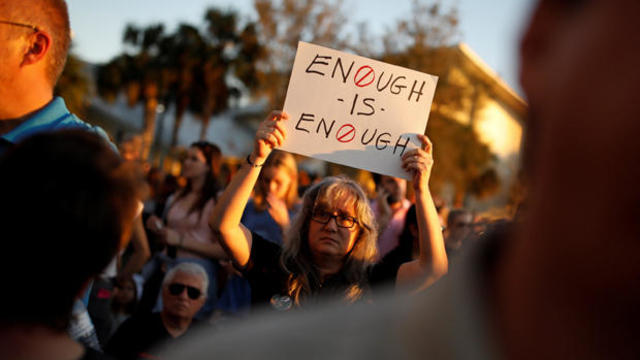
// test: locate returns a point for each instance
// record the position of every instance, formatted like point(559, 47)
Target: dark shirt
point(268, 279)
point(263, 271)
point(140, 336)
point(384, 272)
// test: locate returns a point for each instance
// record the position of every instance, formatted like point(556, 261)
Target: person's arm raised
point(432, 262)
point(225, 219)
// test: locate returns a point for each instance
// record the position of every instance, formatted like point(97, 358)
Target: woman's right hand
point(271, 134)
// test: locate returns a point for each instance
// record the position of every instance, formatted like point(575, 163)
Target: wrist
point(254, 161)
point(424, 194)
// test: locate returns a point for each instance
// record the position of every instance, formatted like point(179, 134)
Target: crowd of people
point(107, 261)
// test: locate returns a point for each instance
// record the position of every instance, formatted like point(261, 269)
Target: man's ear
point(39, 45)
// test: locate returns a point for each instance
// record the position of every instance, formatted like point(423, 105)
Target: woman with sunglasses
point(330, 247)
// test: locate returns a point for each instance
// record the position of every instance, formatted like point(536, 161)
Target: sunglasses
point(176, 289)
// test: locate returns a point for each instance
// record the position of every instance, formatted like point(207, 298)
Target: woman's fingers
point(278, 135)
point(415, 153)
point(417, 160)
point(269, 139)
point(276, 115)
point(271, 130)
point(426, 143)
point(279, 126)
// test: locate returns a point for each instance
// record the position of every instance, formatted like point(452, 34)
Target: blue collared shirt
point(55, 116)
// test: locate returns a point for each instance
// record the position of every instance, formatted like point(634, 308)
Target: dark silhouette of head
point(68, 202)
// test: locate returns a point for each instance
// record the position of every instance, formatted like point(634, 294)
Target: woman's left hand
point(419, 163)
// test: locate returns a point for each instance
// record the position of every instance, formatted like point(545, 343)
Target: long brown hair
point(211, 187)
point(304, 280)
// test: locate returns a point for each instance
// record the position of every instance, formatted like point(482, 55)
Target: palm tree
point(140, 75)
point(228, 53)
point(189, 69)
point(183, 51)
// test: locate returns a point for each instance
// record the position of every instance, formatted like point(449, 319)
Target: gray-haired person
point(184, 291)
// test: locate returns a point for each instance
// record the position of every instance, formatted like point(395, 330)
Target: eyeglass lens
point(341, 220)
point(177, 289)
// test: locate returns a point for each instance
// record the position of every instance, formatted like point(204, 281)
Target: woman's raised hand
point(271, 134)
point(419, 163)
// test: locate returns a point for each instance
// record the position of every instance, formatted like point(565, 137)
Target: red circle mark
point(347, 135)
point(359, 80)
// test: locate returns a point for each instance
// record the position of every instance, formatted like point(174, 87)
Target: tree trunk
point(150, 106)
point(206, 118)
point(181, 108)
point(207, 110)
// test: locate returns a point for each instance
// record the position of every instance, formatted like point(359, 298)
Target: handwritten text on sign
point(355, 111)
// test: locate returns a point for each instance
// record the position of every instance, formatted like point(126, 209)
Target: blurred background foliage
point(205, 68)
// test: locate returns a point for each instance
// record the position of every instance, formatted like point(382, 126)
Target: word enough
point(348, 133)
point(365, 76)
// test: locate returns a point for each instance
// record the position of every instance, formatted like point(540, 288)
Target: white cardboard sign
point(355, 111)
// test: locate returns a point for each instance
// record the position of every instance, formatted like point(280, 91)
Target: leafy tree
point(140, 73)
point(189, 68)
point(183, 51)
point(423, 42)
point(281, 25)
point(224, 64)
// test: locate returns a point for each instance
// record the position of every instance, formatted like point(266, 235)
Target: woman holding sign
point(331, 245)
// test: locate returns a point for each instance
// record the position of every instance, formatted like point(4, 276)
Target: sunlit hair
point(304, 280)
point(52, 17)
point(189, 268)
point(285, 161)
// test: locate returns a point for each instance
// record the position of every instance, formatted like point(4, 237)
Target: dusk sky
point(491, 28)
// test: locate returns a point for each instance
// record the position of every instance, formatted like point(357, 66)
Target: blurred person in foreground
point(184, 292)
point(565, 283)
point(330, 248)
point(34, 42)
point(68, 204)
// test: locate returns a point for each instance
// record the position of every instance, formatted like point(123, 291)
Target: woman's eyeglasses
point(176, 289)
point(343, 221)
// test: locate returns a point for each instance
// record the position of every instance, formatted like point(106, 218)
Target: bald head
point(48, 16)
